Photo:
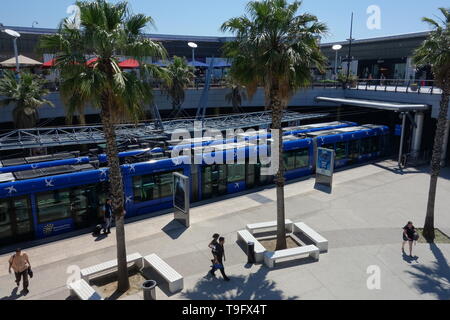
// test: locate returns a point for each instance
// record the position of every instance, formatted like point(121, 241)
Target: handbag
point(416, 236)
point(30, 272)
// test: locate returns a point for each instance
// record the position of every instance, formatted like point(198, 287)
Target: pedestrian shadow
point(13, 295)
point(174, 229)
point(409, 259)
point(433, 279)
point(100, 237)
point(255, 286)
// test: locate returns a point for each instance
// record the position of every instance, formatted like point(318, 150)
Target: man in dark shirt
point(108, 216)
point(220, 257)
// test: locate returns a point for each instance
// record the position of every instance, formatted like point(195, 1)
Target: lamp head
point(12, 33)
point(337, 47)
point(192, 45)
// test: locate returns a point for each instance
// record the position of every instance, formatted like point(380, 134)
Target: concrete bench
point(174, 279)
point(86, 273)
point(245, 236)
point(316, 238)
point(83, 291)
point(271, 257)
point(266, 225)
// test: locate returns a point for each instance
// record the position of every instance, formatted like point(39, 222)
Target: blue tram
point(49, 201)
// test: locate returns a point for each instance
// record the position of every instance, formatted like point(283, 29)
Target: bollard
point(149, 288)
point(251, 252)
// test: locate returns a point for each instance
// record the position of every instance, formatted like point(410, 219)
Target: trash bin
point(149, 288)
point(251, 252)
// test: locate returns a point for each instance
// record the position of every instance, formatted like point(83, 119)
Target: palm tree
point(180, 76)
point(105, 31)
point(275, 48)
point(435, 51)
point(27, 92)
point(236, 94)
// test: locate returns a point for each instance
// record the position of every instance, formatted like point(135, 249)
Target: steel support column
point(417, 133)
point(402, 139)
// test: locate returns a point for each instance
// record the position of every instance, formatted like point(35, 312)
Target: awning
point(376, 104)
point(198, 64)
point(129, 64)
point(23, 61)
point(49, 64)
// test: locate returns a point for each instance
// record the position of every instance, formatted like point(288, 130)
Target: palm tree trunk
point(277, 114)
point(116, 190)
point(428, 231)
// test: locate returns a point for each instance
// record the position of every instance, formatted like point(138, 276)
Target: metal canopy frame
point(65, 136)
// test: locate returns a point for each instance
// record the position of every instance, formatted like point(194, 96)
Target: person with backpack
point(20, 263)
point(108, 216)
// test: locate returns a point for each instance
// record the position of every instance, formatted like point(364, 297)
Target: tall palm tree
point(27, 93)
point(106, 30)
point(180, 76)
point(236, 94)
point(435, 51)
point(276, 48)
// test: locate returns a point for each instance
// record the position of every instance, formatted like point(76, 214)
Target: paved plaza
point(362, 219)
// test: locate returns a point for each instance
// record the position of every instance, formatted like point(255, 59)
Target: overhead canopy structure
point(375, 104)
point(198, 64)
point(65, 136)
point(23, 62)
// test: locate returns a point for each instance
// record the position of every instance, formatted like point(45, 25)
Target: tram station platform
point(362, 219)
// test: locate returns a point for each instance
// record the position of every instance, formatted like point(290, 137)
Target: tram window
point(53, 205)
point(353, 149)
point(341, 152)
point(366, 146)
point(153, 187)
point(302, 158)
point(22, 210)
point(375, 144)
point(289, 160)
point(236, 172)
point(166, 185)
point(145, 188)
point(5, 221)
point(328, 146)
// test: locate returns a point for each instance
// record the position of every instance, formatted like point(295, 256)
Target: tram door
point(260, 179)
point(250, 175)
point(214, 181)
point(16, 221)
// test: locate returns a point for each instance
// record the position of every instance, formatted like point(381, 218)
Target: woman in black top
point(408, 236)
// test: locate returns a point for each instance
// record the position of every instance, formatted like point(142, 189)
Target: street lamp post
point(15, 36)
point(193, 46)
point(336, 48)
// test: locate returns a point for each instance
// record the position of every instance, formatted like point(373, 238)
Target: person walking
point(220, 257)
point(212, 245)
point(108, 216)
point(409, 235)
point(21, 265)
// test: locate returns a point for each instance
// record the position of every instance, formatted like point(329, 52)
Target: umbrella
point(23, 61)
point(129, 64)
point(49, 64)
point(92, 61)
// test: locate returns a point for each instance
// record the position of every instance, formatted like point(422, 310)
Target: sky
point(204, 17)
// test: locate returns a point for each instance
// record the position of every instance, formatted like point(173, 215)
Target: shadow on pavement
point(13, 295)
point(434, 279)
point(255, 286)
point(174, 229)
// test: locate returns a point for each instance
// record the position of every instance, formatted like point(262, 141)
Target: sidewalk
point(362, 220)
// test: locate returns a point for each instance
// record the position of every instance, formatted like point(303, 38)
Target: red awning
point(90, 62)
point(129, 64)
point(49, 64)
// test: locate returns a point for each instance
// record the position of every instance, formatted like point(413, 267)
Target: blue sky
point(204, 17)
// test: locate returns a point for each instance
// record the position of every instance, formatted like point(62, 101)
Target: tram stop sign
point(181, 199)
point(325, 169)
